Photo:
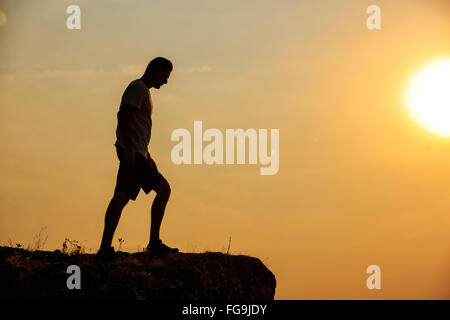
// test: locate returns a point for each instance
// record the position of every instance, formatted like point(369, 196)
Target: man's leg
point(117, 203)
point(158, 207)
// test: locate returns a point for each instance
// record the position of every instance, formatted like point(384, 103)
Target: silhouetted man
point(137, 169)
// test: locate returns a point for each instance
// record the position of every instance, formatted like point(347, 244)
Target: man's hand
point(129, 155)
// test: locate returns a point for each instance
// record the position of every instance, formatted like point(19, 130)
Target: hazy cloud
point(127, 69)
point(139, 68)
point(3, 18)
point(199, 69)
point(13, 73)
point(131, 69)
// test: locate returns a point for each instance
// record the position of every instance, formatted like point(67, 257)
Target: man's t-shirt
point(137, 94)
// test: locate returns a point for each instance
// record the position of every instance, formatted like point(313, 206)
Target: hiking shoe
point(157, 247)
point(108, 254)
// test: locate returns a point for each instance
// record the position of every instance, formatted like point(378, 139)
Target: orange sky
point(360, 181)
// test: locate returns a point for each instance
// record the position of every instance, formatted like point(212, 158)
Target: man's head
point(157, 72)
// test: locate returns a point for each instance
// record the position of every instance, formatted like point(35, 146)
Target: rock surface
point(136, 276)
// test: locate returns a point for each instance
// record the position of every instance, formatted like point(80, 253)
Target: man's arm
point(123, 122)
point(123, 119)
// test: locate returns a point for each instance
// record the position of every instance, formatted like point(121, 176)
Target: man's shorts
point(140, 175)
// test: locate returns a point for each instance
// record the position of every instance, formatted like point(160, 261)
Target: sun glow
point(428, 97)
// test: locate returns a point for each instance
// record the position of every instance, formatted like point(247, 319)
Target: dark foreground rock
point(180, 276)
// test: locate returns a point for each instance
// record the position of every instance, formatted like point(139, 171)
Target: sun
point(428, 96)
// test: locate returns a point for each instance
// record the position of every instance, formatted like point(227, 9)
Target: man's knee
point(120, 198)
point(163, 190)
